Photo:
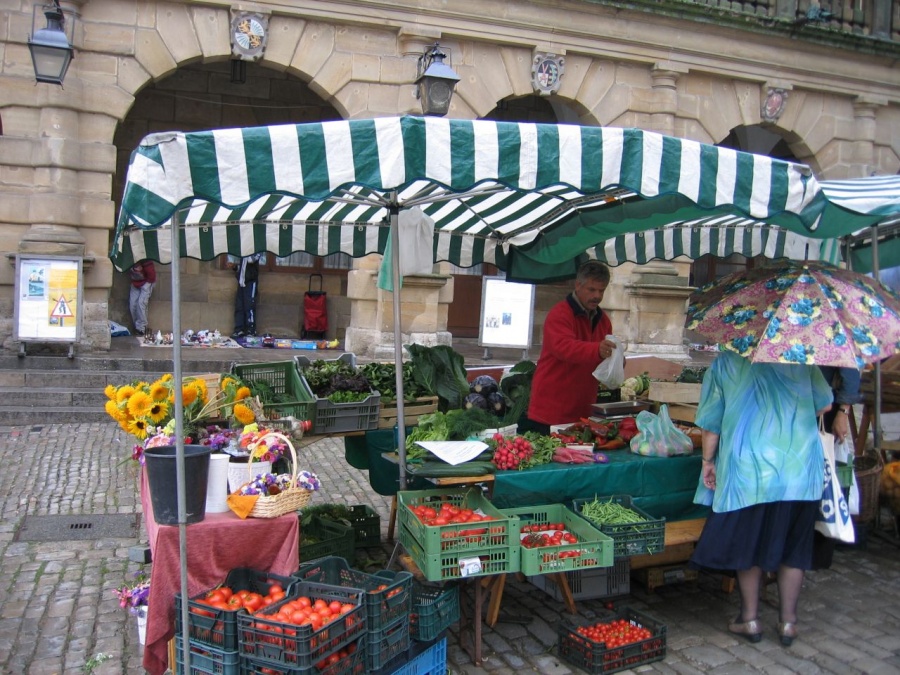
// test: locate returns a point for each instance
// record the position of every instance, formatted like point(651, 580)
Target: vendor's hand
point(606, 348)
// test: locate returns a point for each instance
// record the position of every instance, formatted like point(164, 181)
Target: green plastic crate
point(596, 658)
point(332, 539)
point(334, 418)
point(465, 538)
point(364, 520)
point(433, 610)
point(459, 564)
point(593, 549)
point(638, 538)
point(285, 380)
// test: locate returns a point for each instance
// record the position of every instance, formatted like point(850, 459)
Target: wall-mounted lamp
point(51, 51)
point(435, 81)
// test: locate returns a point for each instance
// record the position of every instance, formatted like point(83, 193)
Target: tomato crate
point(351, 660)
point(590, 584)
point(596, 658)
point(341, 417)
point(593, 548)
point(205, 660)
point(458, 564)
point(218, 627)
point(388, 594)
point(282, 378)
point(276, 643)
point(329, 538)
point(647, 536)
point(434, 609)
point(384, 645)
point(464, 538)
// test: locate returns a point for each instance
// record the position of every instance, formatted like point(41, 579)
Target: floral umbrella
point(799, 312)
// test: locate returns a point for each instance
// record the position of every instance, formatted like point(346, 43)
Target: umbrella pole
point(179, 438)
point(876, 413)
point(398, 348)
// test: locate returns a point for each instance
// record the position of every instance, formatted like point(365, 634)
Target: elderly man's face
point(590, 293)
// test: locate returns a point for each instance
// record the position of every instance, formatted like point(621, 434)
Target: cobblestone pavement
point(58, 611)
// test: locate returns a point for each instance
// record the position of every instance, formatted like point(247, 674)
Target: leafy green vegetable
point(383, 378)
point(337, 381)
point(441, 372)
point(516, 386)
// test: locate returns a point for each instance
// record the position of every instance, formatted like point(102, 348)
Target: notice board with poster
point(507, 310)
point(48, 299)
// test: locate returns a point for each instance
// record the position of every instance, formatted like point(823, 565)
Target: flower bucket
point(239, 472)
point(141, 616)
point(162, 479)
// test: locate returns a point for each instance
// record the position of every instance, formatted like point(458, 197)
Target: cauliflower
point(634, 384)
point(627, 393)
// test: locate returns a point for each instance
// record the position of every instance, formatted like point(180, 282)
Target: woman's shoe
point(752, 630)
point(787, 631)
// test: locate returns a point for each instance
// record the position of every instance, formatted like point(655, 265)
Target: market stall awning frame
point(494, 189)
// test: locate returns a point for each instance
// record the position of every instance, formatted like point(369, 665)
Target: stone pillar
point(658, 301)
point(424, 304)
point(864, 125)
point(665, 98)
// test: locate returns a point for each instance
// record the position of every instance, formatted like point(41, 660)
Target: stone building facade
point(821, 80)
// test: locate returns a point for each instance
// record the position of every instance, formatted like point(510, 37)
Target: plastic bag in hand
point(611, 371)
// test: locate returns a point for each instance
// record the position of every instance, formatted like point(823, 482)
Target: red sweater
point(142, 273)
point(564, 387)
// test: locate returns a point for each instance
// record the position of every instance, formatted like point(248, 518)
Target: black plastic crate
point(349, 660)
point(206, 660)
point(331, 539)
point(388, 594)
point(647, 536)
point(434, 609)
point(279, 644)
point(598, 659)
point(218, 627)
point(384, 645)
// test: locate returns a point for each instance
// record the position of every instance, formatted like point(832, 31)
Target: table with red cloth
point(216, 545)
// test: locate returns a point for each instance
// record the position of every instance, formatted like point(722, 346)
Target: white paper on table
point(454, 452)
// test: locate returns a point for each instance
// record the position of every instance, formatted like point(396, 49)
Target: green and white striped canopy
point(529, 198)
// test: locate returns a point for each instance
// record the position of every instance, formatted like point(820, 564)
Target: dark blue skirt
point(764, 535)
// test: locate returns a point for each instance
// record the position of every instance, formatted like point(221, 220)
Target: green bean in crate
point(633, 531)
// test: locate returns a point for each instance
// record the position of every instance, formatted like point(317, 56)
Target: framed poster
point(507, 311)
point(48, 298)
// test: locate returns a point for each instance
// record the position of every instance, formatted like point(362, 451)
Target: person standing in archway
point(143, 279)
point(247, 271)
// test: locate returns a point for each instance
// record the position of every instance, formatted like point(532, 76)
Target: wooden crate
point(684, 412)
point(654, 577)
point(387, 417)
point(674, 392)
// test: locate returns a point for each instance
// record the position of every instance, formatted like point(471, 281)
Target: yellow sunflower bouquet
point(145, 409)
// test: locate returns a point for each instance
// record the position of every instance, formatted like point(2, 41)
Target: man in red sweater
point(575, 342)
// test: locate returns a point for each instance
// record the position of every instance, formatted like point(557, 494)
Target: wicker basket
point(868, 468)
point(287, 501)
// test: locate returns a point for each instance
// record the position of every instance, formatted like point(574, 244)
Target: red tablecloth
point(216, 545)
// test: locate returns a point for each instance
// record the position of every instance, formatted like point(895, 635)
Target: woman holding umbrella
point(762, 472)
point(763, 462)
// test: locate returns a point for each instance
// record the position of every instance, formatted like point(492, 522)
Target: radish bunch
point(511, 452)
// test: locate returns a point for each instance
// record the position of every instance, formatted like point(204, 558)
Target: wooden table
point(216, 545)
